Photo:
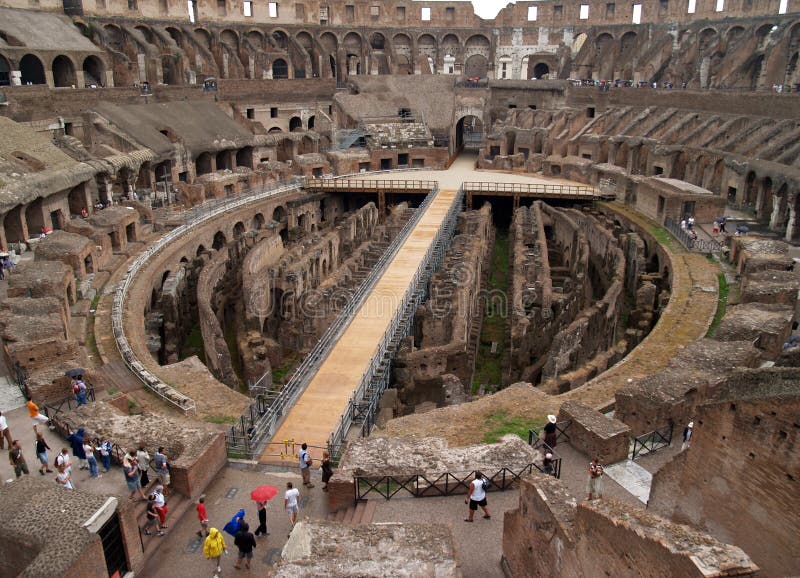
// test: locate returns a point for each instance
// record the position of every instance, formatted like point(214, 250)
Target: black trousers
point(262, 522)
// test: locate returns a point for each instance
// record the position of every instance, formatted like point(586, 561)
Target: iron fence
point(21, 378)
point(53, 409)
point(651, 442)
point(432, 485)
point(537, 189)
point(688, 241)
point(355, 185)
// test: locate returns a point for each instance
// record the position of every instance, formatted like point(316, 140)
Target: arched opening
point(204, 37)
point(200, 250)
point(93, 71)
point(301, 222)
point(32, 70)
point(377, 41)
point(170, 72)
point(219, 241)
point(203, 164)
point(541, 70)
point(147, 35)
point(258, 221)
point(12, 225)
point(34, 217)
point(333, 65)
point(238, 230)
point(176, 36)
point(311, 120)
point(750, 189)
point(244, 157)
point(476, 66)
point(63, 72)
point(279, 215)
point(295, 123)
point(280, 69)
point(274, 130)
point(230, 39)
point(224, 160)
point(88, 264)
point(469, 132)
point(5, 71)
point(77, 200)
point(280, 40)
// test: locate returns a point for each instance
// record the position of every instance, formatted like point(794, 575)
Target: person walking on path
point(551, 431)
point(76, 440)
point(41, 453)
point(152, 517)
point(88, 450)
point(327, 470)
point(477, 497)
point(63, 459)
point(131, 472)
point(213, 548)
point(105, 454)
point(17, 460)
point(245, 542)
point(202, 515)
point(64, 477)
point(33, 411)
point(595, 488)
point(291, 501)
point(5, 432)
point(305, 465)
point(687, 436)
point(143, 461)
point(262, 519)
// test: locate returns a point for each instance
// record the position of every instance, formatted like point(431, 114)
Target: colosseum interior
point(410, 236)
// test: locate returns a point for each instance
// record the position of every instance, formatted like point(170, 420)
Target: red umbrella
point(263, 493)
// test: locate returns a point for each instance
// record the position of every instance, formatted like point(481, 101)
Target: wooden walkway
point(318, 411)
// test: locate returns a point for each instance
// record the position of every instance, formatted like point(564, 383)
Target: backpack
point(76, 389)
point(486, 483)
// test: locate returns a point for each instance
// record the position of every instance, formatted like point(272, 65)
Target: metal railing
point(445, 484)
point(21, 378)
point(261, 419)
point(54, 408)
point(540, 190)
point(355, 185)
point(651, 442)
point(363, 404)
point(687, 240)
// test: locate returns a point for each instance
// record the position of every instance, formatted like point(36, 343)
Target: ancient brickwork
point(594, 434)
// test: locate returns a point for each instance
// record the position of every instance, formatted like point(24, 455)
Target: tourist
point(327, 470)
point(202, 515)
point(245, 542)
point(595, 488)
point(5, 432)
point(551, 431)
point(17, 460)
point(143, 459)
point(690, 223)
point(305, 465)
point(722, 224)
point(33, 411)
point(41, 453)
point(161, 467)
point(547, 464)
point(291, 501)
point(105, 454)
point(477, 497)
point(687, 436)
point(81, 395)
point(213, 548)
point(683, 224)
point(88, 450)
point(262, 519)
point(76, 439)
point(235, 524)
point(63, 477)
point(152, 517)
point(63, 459)
point(161, 504)
point(131, 471)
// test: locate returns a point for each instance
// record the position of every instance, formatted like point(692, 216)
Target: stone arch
point(477, 41)
point(578, 43)
point(540, 70)
point(401, 39)
point(204, 37)
point(115, 37)
point(450, 44)
point(275, 130)
point(202, 164)
point(200, 250)
point(295, 124)
point(476, 66)
point(312, 121)
point(176, 35)
point(256, 39)
point(238, 230)
point(76, 199)
point(466, 125)
point(302, 222)
point(602, 41)
point(734, 33)
point(377, 41)
point(13, 225)
point(257, 222)
point(352, 41)
point(220, 240)
point(280, 39)
point(627, 43)
point(230, 39)
point(280, 69)
point(707, 38)
point(147, 34)
point(279, 214)
point(63, 71)
point(5, 71)
point(93, 71)
point(329, 42)
point(34, 216)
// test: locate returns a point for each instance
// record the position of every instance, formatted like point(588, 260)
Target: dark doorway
point(31, 69)
point(386, 164)
point(113, 547)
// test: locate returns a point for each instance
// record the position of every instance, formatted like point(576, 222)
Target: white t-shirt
point(159, 501)
point(478, 493)
point(3, 423)
point(291, 497)
point(87, 449)
point(62, 476)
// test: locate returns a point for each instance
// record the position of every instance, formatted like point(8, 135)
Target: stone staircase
point(359, 515)
point(10, 395)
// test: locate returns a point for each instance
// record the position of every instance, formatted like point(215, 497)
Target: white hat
point(551, 418)
point(691, 424)
point(548, 455)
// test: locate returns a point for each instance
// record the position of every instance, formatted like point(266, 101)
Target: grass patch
point(220, 419)
point(112, 390)
point(279, 373)
point(665, 238)
point(500, 424)
point(488, 365)
point(722, 304)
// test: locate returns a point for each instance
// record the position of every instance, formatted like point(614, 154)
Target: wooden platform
point(318, 411)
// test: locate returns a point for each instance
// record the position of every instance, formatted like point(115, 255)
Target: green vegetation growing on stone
point(722, 304)
point(500, 424)
point(488, 365)
point(193, 344)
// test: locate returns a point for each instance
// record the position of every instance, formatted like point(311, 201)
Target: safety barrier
point(577, 192)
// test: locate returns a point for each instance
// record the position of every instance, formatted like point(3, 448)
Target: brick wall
point(191, 477)
point(594, 434)
point(90, 564)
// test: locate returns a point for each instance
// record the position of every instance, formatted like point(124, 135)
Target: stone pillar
point(48, 78)
point(141, 60)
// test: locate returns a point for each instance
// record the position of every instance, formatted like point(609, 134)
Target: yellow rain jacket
point(214, 544)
